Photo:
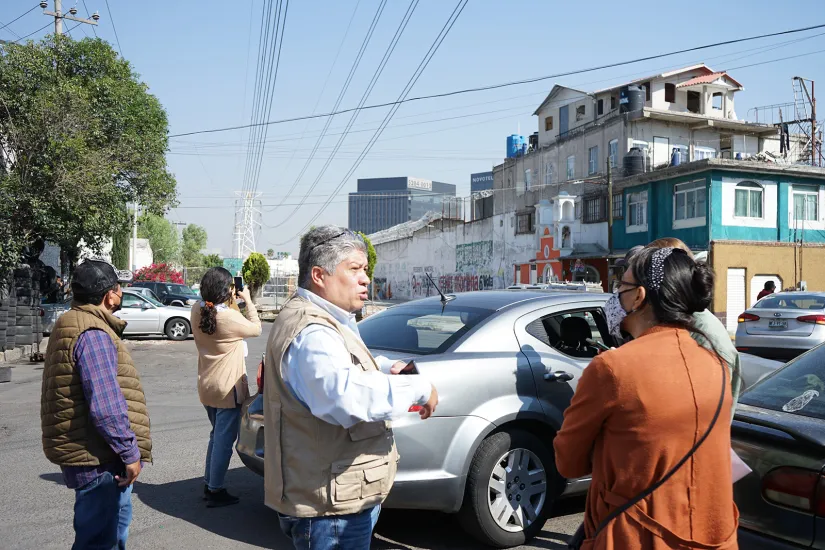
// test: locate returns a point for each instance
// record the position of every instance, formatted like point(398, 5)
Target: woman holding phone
point(219, 329)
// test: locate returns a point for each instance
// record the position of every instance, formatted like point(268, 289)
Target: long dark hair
point(215, 289)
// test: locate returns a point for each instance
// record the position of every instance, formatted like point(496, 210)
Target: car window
point(180, 289)
point(420, 330)
point(567, 332)
point(150, 297)
point(132, 301)
point(797, 388)
point(795, 301)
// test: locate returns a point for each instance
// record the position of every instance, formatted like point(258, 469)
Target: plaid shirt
point(95, 358)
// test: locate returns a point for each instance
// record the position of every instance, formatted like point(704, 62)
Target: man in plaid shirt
point(102, 477)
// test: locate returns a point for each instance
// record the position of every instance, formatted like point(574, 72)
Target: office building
point(381, 203)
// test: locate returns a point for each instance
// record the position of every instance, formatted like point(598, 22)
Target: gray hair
point(326, 247)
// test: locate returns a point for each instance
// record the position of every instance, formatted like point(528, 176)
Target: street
point(168, 511)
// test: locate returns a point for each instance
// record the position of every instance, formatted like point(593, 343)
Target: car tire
point(477, 512)
point(177, 329)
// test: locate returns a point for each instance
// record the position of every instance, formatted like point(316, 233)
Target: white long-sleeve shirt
point(318, 370)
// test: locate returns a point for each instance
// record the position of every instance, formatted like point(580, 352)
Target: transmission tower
point(247, 217)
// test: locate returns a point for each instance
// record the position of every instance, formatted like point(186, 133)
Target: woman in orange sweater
point(639, 410)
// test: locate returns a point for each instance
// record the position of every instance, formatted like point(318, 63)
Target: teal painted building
point(721, 200)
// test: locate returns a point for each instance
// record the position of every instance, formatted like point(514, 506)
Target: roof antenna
point(444, 298)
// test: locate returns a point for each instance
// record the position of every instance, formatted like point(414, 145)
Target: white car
point(146, 316)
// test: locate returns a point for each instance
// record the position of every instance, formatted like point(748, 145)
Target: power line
point(44, 27)
point(112, 19)
point(90, 15)
point(17, 19)
point(508, 84)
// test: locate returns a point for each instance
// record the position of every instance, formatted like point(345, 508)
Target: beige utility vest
point(314, 468)
point(69, 437)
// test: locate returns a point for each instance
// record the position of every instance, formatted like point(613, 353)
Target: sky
point(200, 60)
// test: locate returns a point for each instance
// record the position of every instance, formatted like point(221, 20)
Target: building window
point(648, 93)
point(749, 197)
point(613, 152)
point(670, 93)
point(612, 102)
point(694, 101)
point(528, 178)
point(524, 223)
point(700, 153)
point(548, 123)
point(593, 165)
point(571, 167)
point(637, 209)
point(594, 211)
point(580, 112)
point(806, 203)
point(601, 106)
point(618, 206)
point(717, 101)
point(548, 173)
point(689, 200)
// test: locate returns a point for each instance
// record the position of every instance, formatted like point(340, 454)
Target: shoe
point(216, 499)
point(205, 491)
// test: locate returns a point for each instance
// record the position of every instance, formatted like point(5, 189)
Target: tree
point(212, 260)
point(255, 272)
point(372, 257)
point(194, 240)
point(162, 235)
point(161, 273)
point(81, 137)
point(270, 254)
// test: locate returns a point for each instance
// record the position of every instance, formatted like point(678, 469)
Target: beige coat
point(222, 381)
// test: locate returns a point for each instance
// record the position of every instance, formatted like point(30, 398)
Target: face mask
point(119, 305)
point(614, 314)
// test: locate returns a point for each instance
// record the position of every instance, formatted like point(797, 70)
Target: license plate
point(778, 324)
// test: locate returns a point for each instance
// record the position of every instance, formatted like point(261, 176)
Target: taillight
point(813, 319)
point(415, 408)
point(745, 317)
point(795, 488)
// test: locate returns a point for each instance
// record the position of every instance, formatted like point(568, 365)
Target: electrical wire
point(44, 27)
point(17, 19)
point(112, 19)
point(90, 16)
point(512, 83)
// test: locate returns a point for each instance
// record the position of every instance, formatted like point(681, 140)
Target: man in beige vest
point(330, 457)
point(93, 413)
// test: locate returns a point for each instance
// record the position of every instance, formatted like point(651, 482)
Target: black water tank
point(632, 98)
point(634, 162)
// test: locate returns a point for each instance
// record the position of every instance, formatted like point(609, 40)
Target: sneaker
point(216, 499)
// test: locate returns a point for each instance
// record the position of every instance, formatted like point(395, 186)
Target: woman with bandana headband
point(649, 420)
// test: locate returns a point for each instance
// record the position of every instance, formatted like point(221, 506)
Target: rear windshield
point(798, 388)
point(420, 330)
point(795, 301)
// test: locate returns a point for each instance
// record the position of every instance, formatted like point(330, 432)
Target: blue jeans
point(347, 532)
point(225, 426)
point(102, 514)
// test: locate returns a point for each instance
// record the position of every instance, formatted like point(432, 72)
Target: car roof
point(498, 299)
point(792, 293)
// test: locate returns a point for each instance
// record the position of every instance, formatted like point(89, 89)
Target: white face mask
point(614, 314)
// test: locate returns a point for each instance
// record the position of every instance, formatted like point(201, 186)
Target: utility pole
point(59, 16)
point(609, 207)
point(133, 248)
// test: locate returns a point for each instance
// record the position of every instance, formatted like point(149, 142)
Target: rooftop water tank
point(634, 162)
point(512, 146)
point(676, 157)
point(632, 98)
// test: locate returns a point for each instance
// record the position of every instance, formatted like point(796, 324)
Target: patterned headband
point(656, 273)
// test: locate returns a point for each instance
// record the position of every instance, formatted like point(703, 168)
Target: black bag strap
point(647, 492)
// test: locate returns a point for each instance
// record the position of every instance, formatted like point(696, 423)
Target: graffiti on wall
point(472, 255)
point(460, 282)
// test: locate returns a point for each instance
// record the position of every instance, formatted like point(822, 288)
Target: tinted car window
point(420, 331)
point(548, 329)
point(797, 388)
point(795, 301)
point(180, 289)
point(131, 301)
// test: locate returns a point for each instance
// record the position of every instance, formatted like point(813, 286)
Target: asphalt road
point(36, 508)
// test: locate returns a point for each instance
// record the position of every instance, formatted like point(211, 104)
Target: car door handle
point(558, 376)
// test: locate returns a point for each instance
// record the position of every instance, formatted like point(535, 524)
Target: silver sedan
point(782, 325)
point(506, 365)
point(146, 316)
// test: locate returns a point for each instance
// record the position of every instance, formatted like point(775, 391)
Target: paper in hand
point(738, 467)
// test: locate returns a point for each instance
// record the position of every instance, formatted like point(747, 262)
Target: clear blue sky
point(199, 58)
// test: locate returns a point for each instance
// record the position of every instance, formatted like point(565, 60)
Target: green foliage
point(212, 260)
point(372, 257)
point(270, 254)
point(81, 137)
point(120, 247)
point(194, 240)
point(255, 272)
point(162, 235)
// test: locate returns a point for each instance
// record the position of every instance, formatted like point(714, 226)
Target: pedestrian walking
point(94, 420)
point(330, 457)
point(219, 329)
point(649, 421)
point(767, 290)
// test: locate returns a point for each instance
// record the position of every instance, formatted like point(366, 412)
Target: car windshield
point(797, 388)
point(792, 301)
point(151, 300)
point(420, 330)
point(180, 289)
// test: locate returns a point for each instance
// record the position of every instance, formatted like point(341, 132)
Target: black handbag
point(578, 537)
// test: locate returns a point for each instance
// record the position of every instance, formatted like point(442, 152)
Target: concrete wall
point(573, 99)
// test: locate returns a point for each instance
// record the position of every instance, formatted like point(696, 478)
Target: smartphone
point(413, 370)
point(238, 284)
point(596, 344)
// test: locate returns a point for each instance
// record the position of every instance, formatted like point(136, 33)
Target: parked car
point(779, 431)
point(506, 364)
point(146, 316)
point(170, 294)
point(52, 312)
point(782, 325)
point(146, 292)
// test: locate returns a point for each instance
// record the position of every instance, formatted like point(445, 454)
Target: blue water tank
point(524, 148)
point(512, 146)
point(676, 157)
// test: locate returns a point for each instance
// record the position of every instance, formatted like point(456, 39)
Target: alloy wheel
point(518, 490)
